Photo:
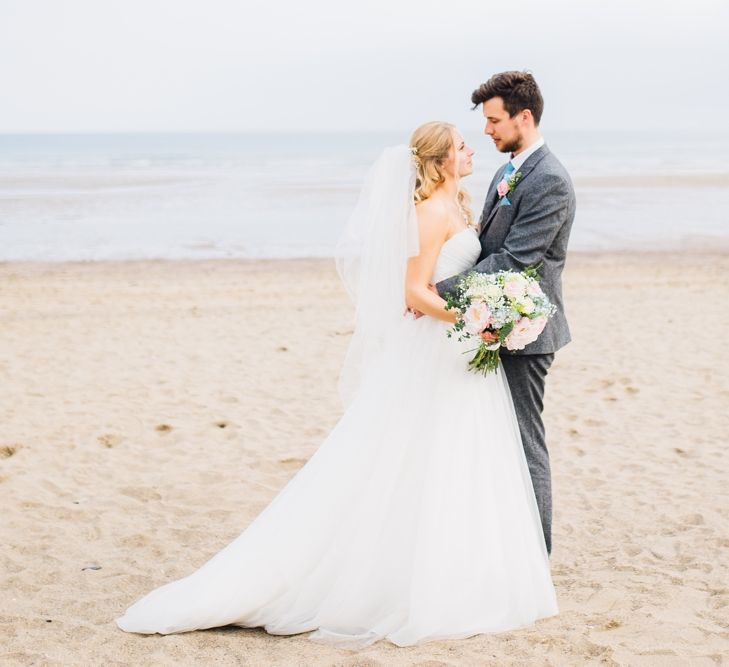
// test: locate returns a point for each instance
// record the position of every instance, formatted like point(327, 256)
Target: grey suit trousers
point(525, 374)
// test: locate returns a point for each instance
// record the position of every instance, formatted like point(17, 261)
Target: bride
point(415, 519)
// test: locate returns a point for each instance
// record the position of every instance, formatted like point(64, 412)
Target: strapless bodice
point(458, 254)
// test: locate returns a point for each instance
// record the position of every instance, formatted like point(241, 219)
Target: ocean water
point(131, 196)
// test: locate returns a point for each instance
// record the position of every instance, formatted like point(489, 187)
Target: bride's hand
point(416, 314)
point(489, 337)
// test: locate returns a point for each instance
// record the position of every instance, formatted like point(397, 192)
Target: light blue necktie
point(508, 171)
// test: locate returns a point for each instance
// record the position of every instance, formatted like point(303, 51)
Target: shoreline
point(709, 247)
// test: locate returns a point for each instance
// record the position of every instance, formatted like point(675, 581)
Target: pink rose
point(515, 286)
point(538, 324)
point(477, 317)
point(525, 331)
point(502, 188)
point(513, 290)
point(534, 289)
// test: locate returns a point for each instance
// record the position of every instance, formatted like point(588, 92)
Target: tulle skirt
point(415, 520)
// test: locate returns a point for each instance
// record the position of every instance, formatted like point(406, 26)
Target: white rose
point(526, 305)
point(493, 292)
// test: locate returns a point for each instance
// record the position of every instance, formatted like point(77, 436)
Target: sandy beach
point(151, 409)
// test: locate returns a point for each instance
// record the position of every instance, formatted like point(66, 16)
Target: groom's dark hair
point(519, 91)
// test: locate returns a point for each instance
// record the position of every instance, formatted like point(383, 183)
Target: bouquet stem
point(485, 361)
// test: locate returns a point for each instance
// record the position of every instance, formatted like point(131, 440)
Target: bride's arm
point(433, 230)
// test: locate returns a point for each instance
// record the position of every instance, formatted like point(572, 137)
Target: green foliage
point(532, 271)
point(505, 331)
point(513, 180)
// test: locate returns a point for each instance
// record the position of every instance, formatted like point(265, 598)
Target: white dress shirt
point(518, 160)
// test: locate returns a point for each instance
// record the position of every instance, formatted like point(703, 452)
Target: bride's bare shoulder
point(433, 217)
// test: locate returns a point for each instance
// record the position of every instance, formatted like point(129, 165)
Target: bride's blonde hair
point(430, 144)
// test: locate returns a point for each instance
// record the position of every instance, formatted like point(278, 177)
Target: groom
point(526, 221)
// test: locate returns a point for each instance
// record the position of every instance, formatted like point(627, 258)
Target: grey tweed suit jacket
point(534, 228)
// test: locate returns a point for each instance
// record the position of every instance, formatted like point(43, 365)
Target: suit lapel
point(529, 164)
point(532, 161)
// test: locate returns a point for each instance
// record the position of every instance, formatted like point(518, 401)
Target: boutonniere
point(506, 186)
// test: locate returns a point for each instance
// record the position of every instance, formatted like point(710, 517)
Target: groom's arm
point(542, 212)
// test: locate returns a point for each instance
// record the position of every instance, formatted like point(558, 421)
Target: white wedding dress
point(415, 519)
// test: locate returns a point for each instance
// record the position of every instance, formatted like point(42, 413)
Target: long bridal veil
point(371, 258)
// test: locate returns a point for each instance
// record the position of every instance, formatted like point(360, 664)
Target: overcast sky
point(226, 65)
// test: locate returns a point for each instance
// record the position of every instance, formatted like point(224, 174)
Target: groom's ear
point(527, 117)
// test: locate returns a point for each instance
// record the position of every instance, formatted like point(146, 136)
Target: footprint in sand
point(109, 440)
point(6, 451)
point(692, 519)
point(135, 541)
point(718, 598)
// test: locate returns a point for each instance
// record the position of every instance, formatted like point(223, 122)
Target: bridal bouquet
point(508, 304)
